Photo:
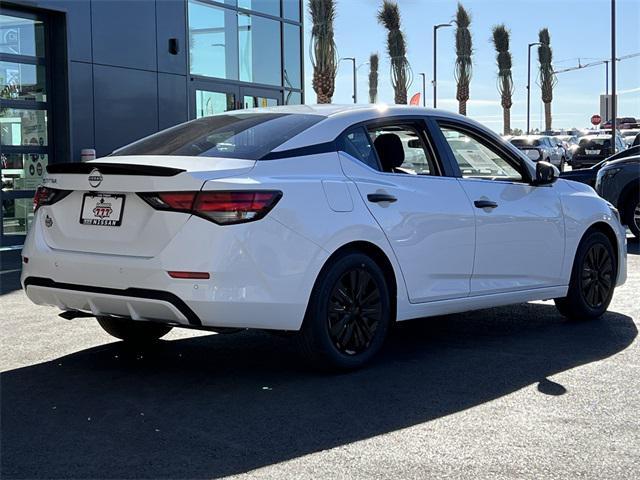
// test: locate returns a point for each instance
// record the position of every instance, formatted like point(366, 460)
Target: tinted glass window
point(249, 136)
point(417, 160)
point(477, 160)
point(259, 49)
point(357, 144)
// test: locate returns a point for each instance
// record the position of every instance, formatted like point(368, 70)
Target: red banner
point(415, 100)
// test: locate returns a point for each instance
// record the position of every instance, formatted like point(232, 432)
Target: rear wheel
point(133, 331)
point(592, 281)
point(349, 314)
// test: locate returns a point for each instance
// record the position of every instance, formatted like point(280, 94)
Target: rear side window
point(357, 144)
point(248, 136)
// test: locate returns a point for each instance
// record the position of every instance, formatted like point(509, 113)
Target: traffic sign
point(596, 119)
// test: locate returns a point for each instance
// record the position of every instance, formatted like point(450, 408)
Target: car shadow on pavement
point(217, 405)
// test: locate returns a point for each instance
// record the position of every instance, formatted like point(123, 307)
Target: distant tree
point(401, 74)
point(323, 51)
point(464, 50)
point(516, 131)
point(373, 77)
point(505, 79)
point(547, 78)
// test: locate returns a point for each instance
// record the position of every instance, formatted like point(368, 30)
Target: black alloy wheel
point(596, 280)
point(355, 309)
point(348, 315)
point(593, 278)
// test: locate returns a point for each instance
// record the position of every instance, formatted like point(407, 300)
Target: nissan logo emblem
point(95, 178)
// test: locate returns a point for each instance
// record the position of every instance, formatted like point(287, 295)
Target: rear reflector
point(191, 275)
point(221, 207)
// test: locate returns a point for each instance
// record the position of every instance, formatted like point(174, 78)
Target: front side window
point(401, 149)
point(243, 135)
point(477, 160)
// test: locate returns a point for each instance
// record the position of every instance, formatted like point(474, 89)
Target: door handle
point(485, 204)
point(381, 197)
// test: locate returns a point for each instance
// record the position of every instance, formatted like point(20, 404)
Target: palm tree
point(547, 76)
point(401, 75)
point(505, 80)
point(322, 49)
point(464, 49)
point(373, 77)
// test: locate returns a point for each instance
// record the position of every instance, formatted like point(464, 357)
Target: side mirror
point(546, 174)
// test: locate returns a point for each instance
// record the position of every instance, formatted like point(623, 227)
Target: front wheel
point(349, 314)
point(632, 214)
point(593, 279)
point(133, 331)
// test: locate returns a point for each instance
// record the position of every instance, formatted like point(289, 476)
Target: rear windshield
point(595, 141)
point(249, 136)
point(518, 142)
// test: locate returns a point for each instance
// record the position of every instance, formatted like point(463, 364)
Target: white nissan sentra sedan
point(331, 221)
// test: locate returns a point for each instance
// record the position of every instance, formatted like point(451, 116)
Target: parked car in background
point(622, 122)
point(619, 183)
point(595, 148)
point(310, 220)
point(588, 175)
point(570, 144)
point(629, 135)
point(540, 148)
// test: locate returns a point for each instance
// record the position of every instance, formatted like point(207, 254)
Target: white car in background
point(541, 148)
point(330, 221)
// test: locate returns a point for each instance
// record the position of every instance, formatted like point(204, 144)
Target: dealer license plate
point(102, 209)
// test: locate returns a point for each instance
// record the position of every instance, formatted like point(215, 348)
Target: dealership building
point(98, 74)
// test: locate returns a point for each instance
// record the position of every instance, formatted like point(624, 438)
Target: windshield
point(248, 136)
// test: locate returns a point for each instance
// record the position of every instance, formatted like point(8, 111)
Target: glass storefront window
point(209, 103)
point(22, 171)
point(292, 68)
point(21, 36)
point(22, 82)
point(259, 102)
point(270, 7)
point(259, 50)
point(212, 41)
point(292, 98)
point(23, 127)
point(17, 215)
point(291, 9)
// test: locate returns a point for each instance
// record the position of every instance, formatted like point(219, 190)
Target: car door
point(425, 215)
point(519, 227)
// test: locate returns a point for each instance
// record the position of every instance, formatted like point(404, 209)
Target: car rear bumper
point(261, 276)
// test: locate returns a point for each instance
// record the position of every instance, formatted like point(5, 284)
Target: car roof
point(340, 117)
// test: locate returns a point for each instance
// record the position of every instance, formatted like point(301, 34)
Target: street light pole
point(355, 80)
point(424, 91)
point(529, 85)
point(435, 62)
point(606, 90)
point(613, 77)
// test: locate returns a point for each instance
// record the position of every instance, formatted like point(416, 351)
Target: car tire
point(133, 331)
point(631, 212)
point(349, 314)
point(593, 279)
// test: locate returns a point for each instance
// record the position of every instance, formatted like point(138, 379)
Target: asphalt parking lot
point(514, 392)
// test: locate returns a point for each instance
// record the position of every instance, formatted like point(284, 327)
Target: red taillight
point(178, 200)
point(223, 208)
point(235, 207)
point(189, 275)
point(48, 196)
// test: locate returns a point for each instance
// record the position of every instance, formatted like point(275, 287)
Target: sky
point(579, 29)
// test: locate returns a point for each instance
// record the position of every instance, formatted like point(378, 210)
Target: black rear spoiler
point(114, 169)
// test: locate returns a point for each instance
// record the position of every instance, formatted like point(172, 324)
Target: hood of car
point(633, 160)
